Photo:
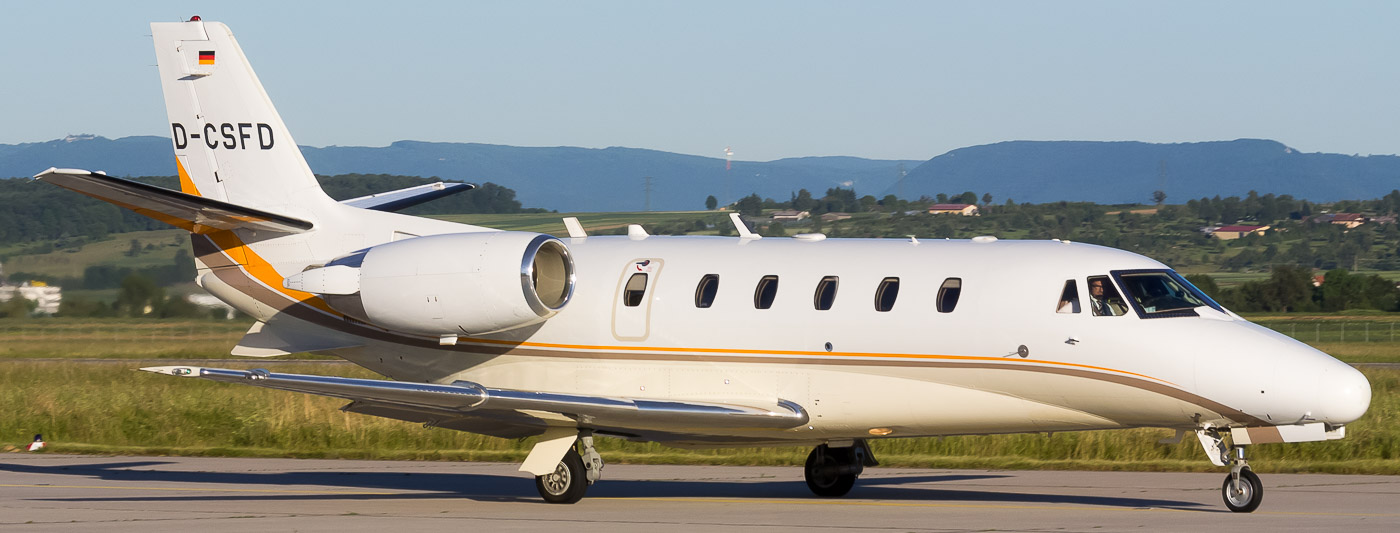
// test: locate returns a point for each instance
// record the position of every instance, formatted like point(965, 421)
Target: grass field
point(112, 408)
point(70, 263)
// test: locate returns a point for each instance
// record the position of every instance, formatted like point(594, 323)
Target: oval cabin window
point(886, 294)
point(765, 293)
point(705, 291)
point(826, 293)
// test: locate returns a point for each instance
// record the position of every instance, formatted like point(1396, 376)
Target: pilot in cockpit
point(1104, 299)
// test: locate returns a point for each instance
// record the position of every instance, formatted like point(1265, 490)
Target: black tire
point(567, 483)
point(1251, 492)
point(829, 485)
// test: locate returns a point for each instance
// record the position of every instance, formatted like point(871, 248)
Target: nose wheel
point(1242, 490)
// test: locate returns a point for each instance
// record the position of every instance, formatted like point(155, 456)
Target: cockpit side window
point(1104, 299)
point(1069, 298)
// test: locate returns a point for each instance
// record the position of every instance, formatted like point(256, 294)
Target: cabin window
point(634, 290)
point(826, 293)
point(705, 291)
point(1069, 298)
point(948, 294)
point(886, 294)
point(1160, 294)
point(1104, 299)
point(766, 291)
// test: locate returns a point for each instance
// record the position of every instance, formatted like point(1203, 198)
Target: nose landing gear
point(1242, 490)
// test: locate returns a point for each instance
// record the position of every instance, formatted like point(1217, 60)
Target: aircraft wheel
point(823, 471)
point(566, 484)
point(1250, 493)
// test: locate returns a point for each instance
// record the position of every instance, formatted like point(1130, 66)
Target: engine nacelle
point(454, 284)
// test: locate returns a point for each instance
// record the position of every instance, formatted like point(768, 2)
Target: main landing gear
point(574, 473)
point(832, 471)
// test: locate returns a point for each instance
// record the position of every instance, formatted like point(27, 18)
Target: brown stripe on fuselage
point(237, 277)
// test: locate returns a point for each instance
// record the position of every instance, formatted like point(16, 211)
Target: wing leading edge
point(464, 398)
point(192, 213)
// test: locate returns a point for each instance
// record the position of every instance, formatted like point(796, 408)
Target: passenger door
point(636, 287)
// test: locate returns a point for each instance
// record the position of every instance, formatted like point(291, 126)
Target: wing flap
point(192, 213)
point(465, 397)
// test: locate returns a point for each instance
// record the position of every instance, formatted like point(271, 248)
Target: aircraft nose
point(1344, 394)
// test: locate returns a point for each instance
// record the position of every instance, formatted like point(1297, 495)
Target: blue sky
point(906, 80)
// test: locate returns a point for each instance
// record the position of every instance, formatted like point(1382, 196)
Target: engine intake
point(461, 283)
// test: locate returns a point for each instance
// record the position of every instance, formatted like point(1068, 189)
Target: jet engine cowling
point(453, 284)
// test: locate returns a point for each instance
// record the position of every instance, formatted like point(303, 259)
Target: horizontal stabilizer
point(193, 213)
point(406, 198)
point(288, 336)
point(462, 397)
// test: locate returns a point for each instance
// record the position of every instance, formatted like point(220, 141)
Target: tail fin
point(230, 143)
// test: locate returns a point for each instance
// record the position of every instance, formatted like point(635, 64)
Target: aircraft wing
point(530, 412)
point(193, 213)
point(409, 197)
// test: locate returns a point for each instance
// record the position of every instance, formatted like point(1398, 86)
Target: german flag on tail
point(206, 57)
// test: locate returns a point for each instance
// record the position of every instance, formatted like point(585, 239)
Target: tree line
point(39, 213)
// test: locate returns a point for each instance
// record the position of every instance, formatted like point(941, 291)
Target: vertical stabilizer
point(230, 143)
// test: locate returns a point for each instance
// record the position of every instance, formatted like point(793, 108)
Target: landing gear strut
point(832, 471)
point(1242, 490)
point(571, 478)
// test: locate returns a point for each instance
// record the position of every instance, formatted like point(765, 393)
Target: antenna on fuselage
point(575, 228)
point(743, 230)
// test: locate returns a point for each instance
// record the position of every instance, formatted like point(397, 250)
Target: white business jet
point(698, 341)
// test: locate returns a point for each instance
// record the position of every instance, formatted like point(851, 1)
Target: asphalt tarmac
point(47, 492)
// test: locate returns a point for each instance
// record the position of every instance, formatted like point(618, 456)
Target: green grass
point(111, 408)
point(71, 262)
point(119, 338)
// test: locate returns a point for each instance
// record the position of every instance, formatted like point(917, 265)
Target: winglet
point(743, 230)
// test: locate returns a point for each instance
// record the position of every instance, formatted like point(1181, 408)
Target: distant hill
point(610, 179)
point(1125, 172)
point(562, 178)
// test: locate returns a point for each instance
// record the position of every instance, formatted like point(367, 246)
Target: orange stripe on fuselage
point(229, 243)
point(1000, 360)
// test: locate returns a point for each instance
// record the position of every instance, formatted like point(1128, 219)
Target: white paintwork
point(335, 279)
point(1002, 361)
point(553, 444)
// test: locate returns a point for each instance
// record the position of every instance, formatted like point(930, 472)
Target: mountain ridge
point(612, 179)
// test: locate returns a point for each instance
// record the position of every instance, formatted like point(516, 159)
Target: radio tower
point(728, 162)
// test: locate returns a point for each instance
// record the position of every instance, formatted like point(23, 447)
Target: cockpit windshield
point(1162, 293)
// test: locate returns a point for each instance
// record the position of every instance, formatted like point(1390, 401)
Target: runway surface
point(44, 492)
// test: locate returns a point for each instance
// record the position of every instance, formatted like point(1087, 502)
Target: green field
point(84, 407)
point(70, 262)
